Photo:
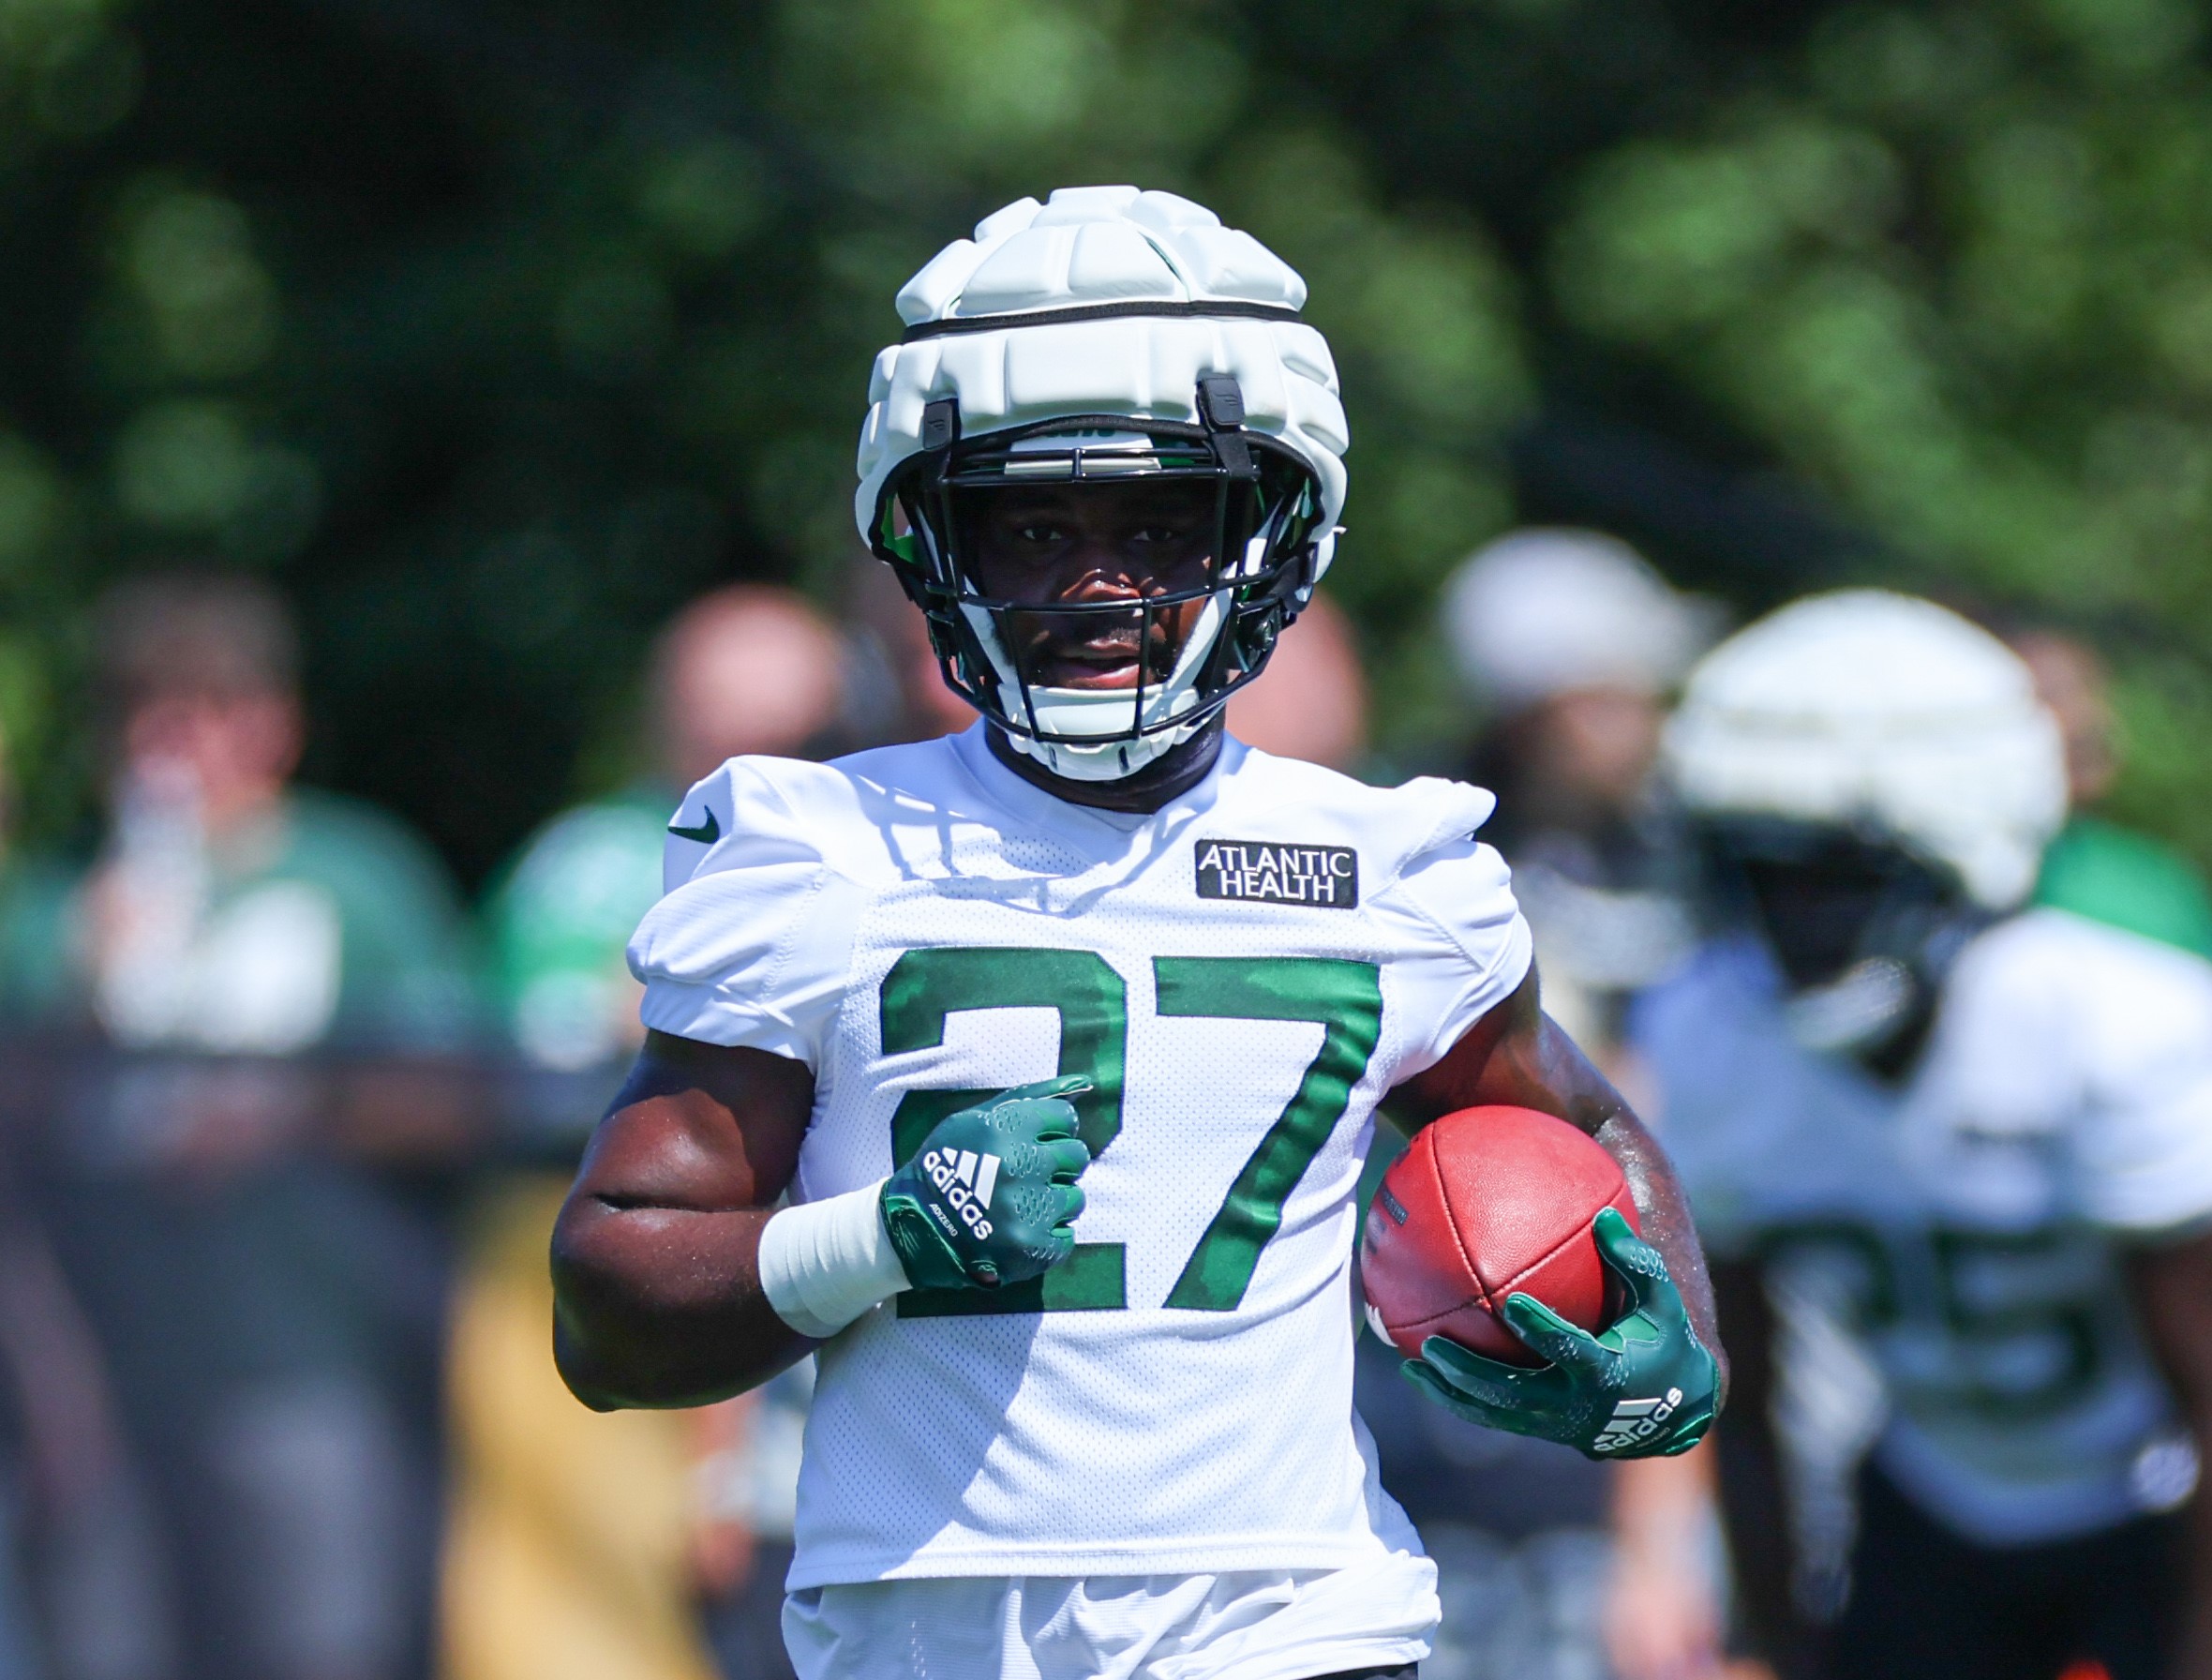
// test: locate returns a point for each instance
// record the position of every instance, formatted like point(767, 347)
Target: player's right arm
point(677, 1281)
point(657, 1258)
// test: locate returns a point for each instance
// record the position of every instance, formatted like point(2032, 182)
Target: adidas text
point(1635, 1421)
point(966, 1178)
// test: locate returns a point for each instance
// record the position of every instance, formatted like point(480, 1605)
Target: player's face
point(1094, 545)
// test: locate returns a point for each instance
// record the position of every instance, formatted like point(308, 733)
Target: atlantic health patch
point(1272, 872)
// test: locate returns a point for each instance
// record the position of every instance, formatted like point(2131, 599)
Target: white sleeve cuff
point(822, 1263)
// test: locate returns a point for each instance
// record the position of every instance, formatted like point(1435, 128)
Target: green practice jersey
point(561, 920)
point(324, 923)
point(2127, 881)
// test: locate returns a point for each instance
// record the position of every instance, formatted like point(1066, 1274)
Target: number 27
point(1344, 997)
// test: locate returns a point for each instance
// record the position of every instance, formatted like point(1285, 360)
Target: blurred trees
point(1952, 264)
point(497, 330)
point(1956, 265)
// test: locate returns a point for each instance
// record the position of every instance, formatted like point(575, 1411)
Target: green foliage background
point(494, 331)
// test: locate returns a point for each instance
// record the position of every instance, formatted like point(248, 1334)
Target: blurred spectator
point(745, 669)
point(19, 1642)
point(2097, 868)
point(1666, 1611)
point(895, 689)
point(280, 979)
point(581, 1544)
point(32, 896)
point(1311, 701)
point(71, 1516)
point(1572, 642)
point(1516, 1528)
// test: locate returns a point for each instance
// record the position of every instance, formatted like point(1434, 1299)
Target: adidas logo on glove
point(965, 1180)
point(1636, 1420)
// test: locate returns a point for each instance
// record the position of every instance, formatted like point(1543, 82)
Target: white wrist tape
point(822, 1263)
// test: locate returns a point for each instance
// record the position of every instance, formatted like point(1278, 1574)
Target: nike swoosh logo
point(707, 833)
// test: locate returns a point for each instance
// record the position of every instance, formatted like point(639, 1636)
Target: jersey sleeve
point(2142, 1138)
point(751, 940)
point(1466, 945)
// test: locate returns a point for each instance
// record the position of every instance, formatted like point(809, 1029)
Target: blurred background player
point(582, 1544)
point(1973, 1139)
point(1572, 644)
point(280, 980)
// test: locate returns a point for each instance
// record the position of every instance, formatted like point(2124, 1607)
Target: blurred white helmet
point(1882, 714)
point(1542, 612)
point(1108, 334)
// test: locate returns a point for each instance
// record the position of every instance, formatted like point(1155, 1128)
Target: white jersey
point(2064, 1100)
point(1241, 976)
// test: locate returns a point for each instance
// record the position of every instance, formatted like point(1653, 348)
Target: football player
point(1102, 1428)
point(1976, 1137)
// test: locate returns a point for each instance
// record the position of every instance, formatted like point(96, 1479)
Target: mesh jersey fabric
point(2065, 1101)
point(1001, 936)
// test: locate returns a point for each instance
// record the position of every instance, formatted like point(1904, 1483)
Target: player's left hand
point(1645, 1388)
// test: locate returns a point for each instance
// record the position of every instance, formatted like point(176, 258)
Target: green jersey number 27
point(1345, 998)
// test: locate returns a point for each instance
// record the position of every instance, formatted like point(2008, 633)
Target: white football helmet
point(1108, 334)
point(1542, 611)
point(1887, 714)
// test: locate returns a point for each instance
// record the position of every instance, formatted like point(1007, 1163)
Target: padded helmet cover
point(1882, 714)
point(1104, 246)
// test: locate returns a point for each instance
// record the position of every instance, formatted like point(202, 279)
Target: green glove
point(989, 1196)
point(1645, 1389)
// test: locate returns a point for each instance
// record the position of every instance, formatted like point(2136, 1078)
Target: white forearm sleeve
point(822, 1263)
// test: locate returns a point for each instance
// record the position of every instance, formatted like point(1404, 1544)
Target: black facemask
point(1863, 929)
